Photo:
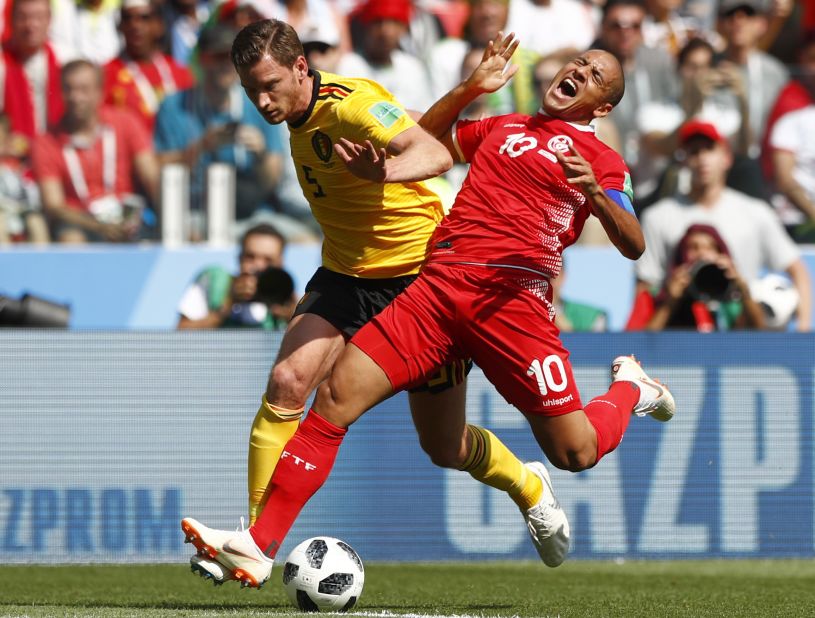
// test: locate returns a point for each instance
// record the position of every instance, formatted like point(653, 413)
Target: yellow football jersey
point(371, 230)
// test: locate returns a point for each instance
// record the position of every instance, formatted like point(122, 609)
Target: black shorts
point(348, 303)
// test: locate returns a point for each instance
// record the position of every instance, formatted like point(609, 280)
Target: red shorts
point(491, 315)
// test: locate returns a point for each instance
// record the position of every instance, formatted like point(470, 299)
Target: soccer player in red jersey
point(484, 293)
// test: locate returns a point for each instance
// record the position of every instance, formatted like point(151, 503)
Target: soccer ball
point(323, 575)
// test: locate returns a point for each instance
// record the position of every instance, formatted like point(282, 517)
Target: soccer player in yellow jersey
point(376, 238)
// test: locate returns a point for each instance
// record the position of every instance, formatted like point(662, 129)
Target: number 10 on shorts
point(541, 370)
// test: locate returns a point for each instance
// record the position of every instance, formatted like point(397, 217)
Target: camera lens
point(709, 282)
point(275, 286)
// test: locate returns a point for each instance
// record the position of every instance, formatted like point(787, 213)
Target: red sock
point(303, 468)
point(610, 413)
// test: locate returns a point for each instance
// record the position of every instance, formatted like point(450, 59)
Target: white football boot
point(655, 398)
point(547, 521)
point(236, 552)
point(210, 569)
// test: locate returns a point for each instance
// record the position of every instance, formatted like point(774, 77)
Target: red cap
point(397, 10)
point(696, 127)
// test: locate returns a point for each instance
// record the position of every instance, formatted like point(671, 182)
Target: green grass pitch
point(579, 588)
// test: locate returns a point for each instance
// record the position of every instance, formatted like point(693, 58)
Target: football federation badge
point(322, 146)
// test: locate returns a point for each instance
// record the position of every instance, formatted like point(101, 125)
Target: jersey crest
point(322, 146)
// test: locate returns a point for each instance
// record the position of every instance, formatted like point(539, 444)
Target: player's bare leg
point(308, 351)
point(445, 435)
point(440, 421)
point(355, 385)
point(451, 443)
point(577, 440)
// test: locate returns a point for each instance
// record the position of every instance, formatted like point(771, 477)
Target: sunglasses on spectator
point(625, 25)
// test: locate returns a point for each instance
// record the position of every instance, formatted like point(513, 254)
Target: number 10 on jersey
point(541, 370)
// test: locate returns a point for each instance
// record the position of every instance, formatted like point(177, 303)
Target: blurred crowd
point(96, 96)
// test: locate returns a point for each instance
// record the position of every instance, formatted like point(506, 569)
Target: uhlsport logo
point(322, 146)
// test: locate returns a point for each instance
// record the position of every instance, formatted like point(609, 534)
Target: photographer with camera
point(703, 290)
point(755, 238)
point(261, 295)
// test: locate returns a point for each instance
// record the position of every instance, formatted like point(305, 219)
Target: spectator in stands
point(665, 28)
point(742, 23)
point(29, 71)
point(547, 26)
point(215, 122)
point(314, 20)
point(20, 217)
point(184, 19)
point(650, 81)
point(703, 290)
point(94, 32)
point(797, 94)
point(753, 234)
point(486, 19)
point(237, 14)
point(87, 166)
point(715, 94)
point(322, 52)
point(384, 23)
point(142, 75)
point(777, 13)
point(261, 295)
point(792, 144)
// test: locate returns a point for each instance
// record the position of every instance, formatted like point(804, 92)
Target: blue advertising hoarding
point(108, 439)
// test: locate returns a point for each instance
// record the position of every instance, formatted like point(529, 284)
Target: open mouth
point(568, 87)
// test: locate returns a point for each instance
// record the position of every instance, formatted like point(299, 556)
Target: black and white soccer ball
point(323, 574)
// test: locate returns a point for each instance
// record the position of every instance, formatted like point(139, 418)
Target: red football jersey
point(515, 207)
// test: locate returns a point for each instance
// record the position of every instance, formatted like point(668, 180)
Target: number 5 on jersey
point(541, 370)
point(313, 181)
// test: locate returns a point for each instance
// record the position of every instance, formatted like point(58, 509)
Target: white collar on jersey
point(588, 128)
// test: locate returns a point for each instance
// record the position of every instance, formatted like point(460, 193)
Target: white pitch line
point(395, 615)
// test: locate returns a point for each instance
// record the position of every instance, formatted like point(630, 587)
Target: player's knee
point(572, 459)
point(287, 387)
point(332, 406)
point(444, 455)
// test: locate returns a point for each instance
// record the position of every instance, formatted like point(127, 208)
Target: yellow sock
point(492, 463)
point(272, 428)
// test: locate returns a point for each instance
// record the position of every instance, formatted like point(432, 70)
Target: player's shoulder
point(503, 121)
point(349, 89)
point(361, 102)
point(335, 87)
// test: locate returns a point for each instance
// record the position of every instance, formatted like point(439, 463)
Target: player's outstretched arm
point(416, 155)
point(622, 227)
point(488, 76)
